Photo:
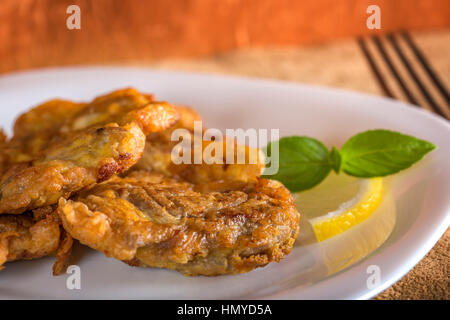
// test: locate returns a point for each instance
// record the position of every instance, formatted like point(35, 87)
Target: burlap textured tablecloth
point(341, 65)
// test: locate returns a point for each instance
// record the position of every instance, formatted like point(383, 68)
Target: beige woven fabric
point(341, 65)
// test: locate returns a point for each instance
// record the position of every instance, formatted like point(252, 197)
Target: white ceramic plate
point(421, 193)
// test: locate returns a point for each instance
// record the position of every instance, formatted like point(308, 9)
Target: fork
point(413, 88)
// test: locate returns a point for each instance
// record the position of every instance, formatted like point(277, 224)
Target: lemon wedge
point(339, 203)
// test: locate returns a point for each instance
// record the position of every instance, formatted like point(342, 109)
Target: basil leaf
point(377, 153)
point(303, 162)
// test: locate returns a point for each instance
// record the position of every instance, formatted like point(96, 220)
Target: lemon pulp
point(339, 203)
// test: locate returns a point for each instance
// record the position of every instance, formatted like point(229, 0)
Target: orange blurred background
point(34, 33)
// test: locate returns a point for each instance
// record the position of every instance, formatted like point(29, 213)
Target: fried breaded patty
point(91, 156)
point(147, 219)
point(57, 119)
point(223, 160)
point(92, 143)
point(159, 147)
point(28, 236)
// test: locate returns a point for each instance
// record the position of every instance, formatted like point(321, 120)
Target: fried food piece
point(147, 219)
point(63, 253)
point(95, 142)
point(26, 237)
point(39, 127)
point(91, 156)
point(56, 120)
point(223, 160)
point(159, 147)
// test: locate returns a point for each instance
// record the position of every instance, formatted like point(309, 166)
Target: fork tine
point(391, 38)
point(374, 68)
point(394, 70)
point(433, 75)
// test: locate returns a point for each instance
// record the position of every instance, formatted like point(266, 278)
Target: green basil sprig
point(305, 162)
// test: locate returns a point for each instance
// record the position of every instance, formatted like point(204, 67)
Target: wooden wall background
point(33, 33)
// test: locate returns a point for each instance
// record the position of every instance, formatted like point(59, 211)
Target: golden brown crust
point(88, 144)
point(159, 146)
point(56, 120)
point(39, 127)
point(31, 236)
point(63, 253)
point(23, 238)
point(157, 158)
point(88, 157)
point(246, 164)
point(148, 219)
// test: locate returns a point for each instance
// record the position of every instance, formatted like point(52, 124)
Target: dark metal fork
point(418, 61)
